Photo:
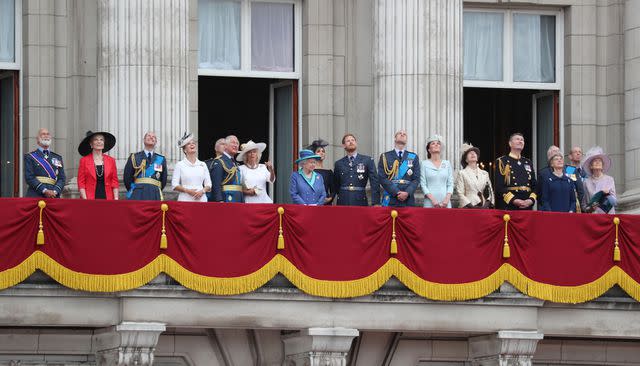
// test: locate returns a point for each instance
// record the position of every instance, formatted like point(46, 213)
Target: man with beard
point(515, 178)
point(43, 169)
point(225, 175)
point(351, 174)
point(399, 173)
point(145, 173)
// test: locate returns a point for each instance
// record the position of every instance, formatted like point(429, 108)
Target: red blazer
point(87, 176)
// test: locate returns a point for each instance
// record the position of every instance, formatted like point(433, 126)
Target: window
point(8, 34)
point(512, 49)
point(254, 38)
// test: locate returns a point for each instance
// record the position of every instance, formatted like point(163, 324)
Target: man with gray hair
point(578, 175)
point(399, 173)
point(43, 169)
point(225, 175)
point(145, 173)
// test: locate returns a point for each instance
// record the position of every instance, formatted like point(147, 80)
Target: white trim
point(245, 46)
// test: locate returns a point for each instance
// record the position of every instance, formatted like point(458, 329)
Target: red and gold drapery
point(226, 249)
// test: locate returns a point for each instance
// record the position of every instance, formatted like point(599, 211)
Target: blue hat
point(307, 154)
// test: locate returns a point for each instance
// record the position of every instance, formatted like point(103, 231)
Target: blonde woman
point(255, 176)
point(191, 176)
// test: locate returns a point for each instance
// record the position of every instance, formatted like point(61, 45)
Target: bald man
point(43, 169)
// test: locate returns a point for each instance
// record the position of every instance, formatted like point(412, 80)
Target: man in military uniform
point(399, 173)
point(578, 175)
point(43, 169)
point(145, 173)
point(351, 174)
point(515, 178)
point(225, 175)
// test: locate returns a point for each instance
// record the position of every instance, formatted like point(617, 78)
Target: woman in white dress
point(255, 176)
point(473, 184)
point(190, 176)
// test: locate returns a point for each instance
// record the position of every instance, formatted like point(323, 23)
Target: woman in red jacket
point(97, 173)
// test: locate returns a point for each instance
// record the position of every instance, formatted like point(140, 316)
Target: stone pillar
point(418, 73)
point(630, 200)
point(318, 347)
point(143, 79)
point(128, 343)
point(507, 348)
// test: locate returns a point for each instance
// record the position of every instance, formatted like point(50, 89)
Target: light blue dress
point(436, 181)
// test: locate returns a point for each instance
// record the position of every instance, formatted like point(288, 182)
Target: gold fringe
point(506, 251)
point(40, 237)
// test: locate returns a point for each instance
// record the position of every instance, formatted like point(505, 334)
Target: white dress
point(257, 179)
point(191, 176)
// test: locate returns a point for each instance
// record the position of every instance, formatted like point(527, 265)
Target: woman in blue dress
point(558, 190)
point(436, 176)
point(306, 186)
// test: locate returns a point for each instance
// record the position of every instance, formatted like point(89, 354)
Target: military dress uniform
point(145, 176)
point(398, 173)
point(350, 180)
point(43, 169)
point(515, 179)
point(226, 180)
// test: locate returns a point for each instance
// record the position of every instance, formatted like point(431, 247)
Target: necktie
point(149, 158)
point(400, 154)
point(351, 159)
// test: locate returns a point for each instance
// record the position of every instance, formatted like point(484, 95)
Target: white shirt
point(191, 176)
point(257, 179)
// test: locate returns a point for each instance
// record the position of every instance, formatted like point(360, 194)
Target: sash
point(402, 170)
point(45, 165)
point(149, 172)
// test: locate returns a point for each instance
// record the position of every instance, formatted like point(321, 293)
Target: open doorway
point(258, 109)
point(491, 115)
point(9, 130)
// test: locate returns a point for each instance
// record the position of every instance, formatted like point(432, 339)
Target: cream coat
point(468, 185)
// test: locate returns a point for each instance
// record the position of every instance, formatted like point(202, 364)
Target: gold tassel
point(616, 249)
point(280, 236)
point(163, 238)
point(394, 243)
point(40, 237)
point(506, 251)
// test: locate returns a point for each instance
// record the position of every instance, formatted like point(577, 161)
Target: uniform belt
point(232, 187)
point(401, 181)
point(148, 181)
point(519, 189)
point(352, 188)
point(46, 180)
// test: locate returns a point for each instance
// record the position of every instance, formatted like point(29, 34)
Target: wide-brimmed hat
point(185, 139)
point(433, 138)
point(596, 152)
point(85, 145)
point(306, 155)
point(316, 144)
point(248, 146)
point(466, 148)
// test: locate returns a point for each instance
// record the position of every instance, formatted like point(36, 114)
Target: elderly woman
point(558, 190)
point(191, 176)
point(306, 186)
point(599, 188)
point(436, 176)
point(97, 173)
point(318, 148)
point(473, 184)
point(255, 176)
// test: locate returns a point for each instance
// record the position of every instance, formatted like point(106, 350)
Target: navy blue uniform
point(515, 179)
point(559, 193)
point(350, 181)
point(397, 175)
point(43, 171)
point(226, 180)
point(145, 177)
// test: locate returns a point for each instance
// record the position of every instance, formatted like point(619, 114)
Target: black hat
point(316, 144)
point(85, 147)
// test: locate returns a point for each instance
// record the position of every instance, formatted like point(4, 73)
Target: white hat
point(596, 152)
point(433, 138)
point(185, 139)
point(250, 145)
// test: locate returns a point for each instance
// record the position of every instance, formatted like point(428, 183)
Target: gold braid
point(394, 168)
point(230, 171)
point(505, 170)
point(138, 168)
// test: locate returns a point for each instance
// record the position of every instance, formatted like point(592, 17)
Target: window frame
point(17, 41)
point(507, 81)
point(245, 45)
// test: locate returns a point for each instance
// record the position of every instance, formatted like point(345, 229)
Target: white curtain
point(219, 22)
point(483, 45)
point(7, 31)
point(272, 37)
point(534, 48)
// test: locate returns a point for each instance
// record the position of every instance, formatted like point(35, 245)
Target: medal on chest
point(360, 168)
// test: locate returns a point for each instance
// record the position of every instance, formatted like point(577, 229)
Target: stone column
point(143, 79)
point(318, 347)
point(128, 343)
point(630, 200)
point(418, 73)
point(507, 348)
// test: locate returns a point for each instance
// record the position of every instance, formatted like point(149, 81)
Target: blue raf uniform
point(43, 169)
point(350, 180)
point(515, 179)
point(145, 176)
point(398, 173)
point(226, 180)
